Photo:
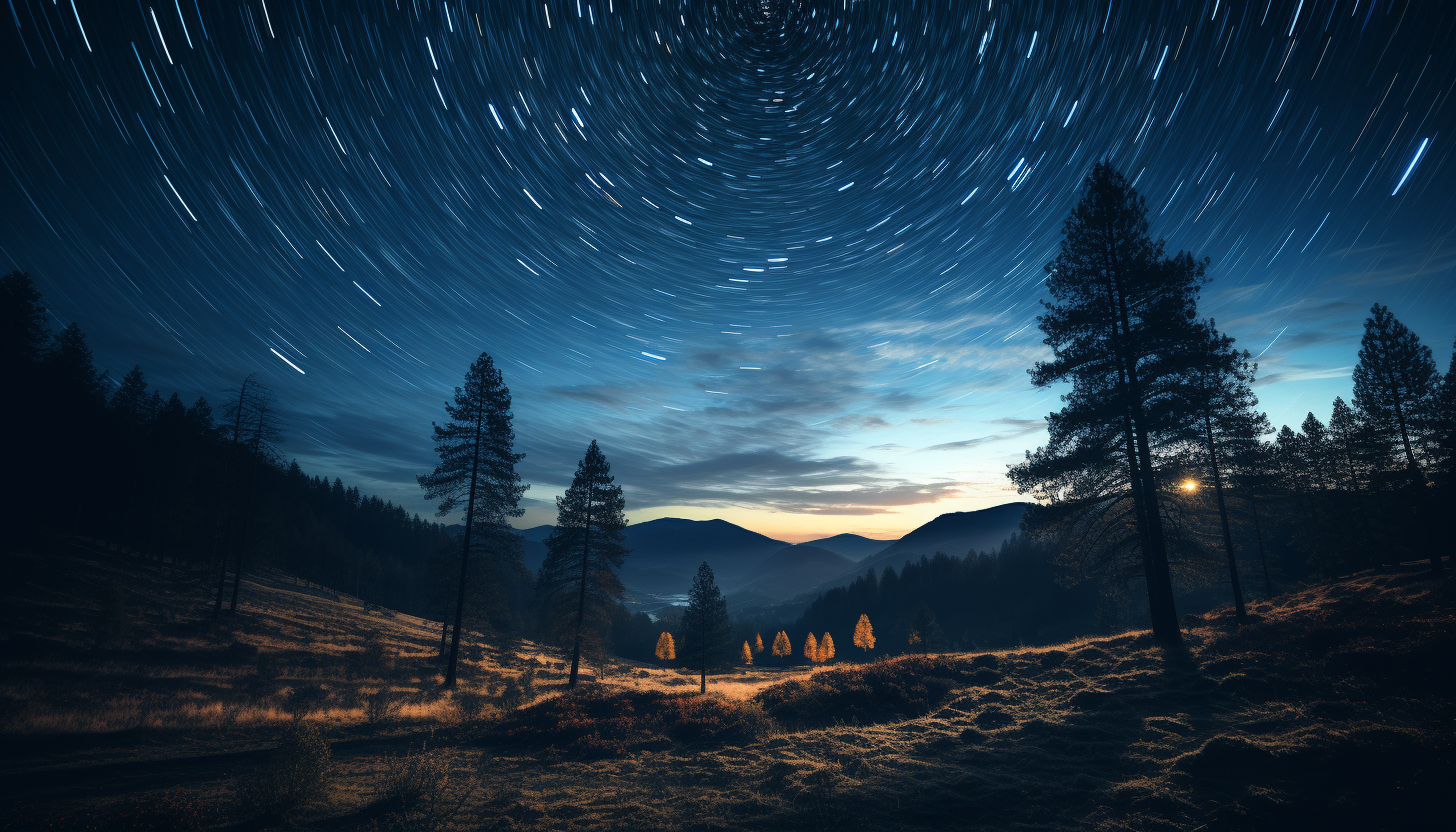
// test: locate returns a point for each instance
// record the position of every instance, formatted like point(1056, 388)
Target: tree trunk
point(1240, 614)
point(1161, 607)
point(465, 552)
point(581, 596)
point(703, 677)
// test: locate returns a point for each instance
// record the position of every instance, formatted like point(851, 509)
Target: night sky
point(782, 259)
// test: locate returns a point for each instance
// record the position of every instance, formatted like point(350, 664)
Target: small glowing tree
point(666, 650)
point(826, 648)
point(781, 646)
point(746, 656)
point(811, 648)
point(864, 634)
point(757, 643)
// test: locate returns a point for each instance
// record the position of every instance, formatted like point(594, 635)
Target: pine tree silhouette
point(478, 468)
point(578, 581)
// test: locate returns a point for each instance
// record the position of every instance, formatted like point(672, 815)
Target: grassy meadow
point(123, 706)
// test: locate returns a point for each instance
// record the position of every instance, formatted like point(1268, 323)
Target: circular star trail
point(781, 258)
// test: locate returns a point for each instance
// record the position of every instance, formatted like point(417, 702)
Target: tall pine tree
point(1396, 385)
point(1220, 394)
point(578, 583)
point(1120, 314)
point(1395, 382)
point(706, 630)
point(477, 469)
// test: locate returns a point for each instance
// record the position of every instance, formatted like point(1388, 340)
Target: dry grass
point(1332, 709)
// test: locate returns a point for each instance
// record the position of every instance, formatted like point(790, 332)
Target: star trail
point(782, 259)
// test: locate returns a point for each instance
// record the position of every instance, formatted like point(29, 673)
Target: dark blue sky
point(781, 259)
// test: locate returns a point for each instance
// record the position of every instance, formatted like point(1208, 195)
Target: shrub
point(420, 793)
point(886, 690)
point(296, 774)
point(380, 707)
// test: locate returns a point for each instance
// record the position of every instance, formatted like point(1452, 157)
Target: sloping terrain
point(790, 571)
point(666, 553)
point(853, 546)
point(1332, 708)
point(955, 533)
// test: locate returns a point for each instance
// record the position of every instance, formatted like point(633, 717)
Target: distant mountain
point(666, 553)
point(535, 545)
point(955, 533)
point(788, 572)
point(852, 546)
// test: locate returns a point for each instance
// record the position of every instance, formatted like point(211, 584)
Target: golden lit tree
point(781, 645)
point(666, 650)
point(864, 634)
point(826, 648)
point(757, 643)
point(811, 648)
point(746, 656)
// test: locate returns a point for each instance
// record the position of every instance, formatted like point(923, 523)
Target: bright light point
point(1190, 485)
point(658, 357)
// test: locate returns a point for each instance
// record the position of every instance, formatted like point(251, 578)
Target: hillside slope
point(1331, 709)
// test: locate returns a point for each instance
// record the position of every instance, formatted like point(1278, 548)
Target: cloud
point(1304, 375)
point(778, 481)
point(859, 421)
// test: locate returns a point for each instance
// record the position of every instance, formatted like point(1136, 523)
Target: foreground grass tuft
point(595, 723)
point(885, 691)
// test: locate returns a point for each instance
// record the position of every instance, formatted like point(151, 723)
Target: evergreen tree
point(665, 651)
point(130, 399)
point(23, 329)
point(1120, 315)
point(1396, 385)
point(706, 627)
point(1220, 392)
point(811, 648)
point(826, 648)
point(746, 654)
point(864, 634)
point(477, 468)
point(1395, 382)
point(578, 581)
point(757, 644)
point(1443, 424)
point(70, 367)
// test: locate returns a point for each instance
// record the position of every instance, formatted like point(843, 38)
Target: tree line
point(196, 486)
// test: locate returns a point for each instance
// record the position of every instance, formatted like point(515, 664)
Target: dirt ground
point(1331, 708)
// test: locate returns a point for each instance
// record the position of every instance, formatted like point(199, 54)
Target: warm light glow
point(1190, 485)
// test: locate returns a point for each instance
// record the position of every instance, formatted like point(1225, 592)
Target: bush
point(419, 792)
point(886, 690)
point(380, 707)
point(296, 774)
